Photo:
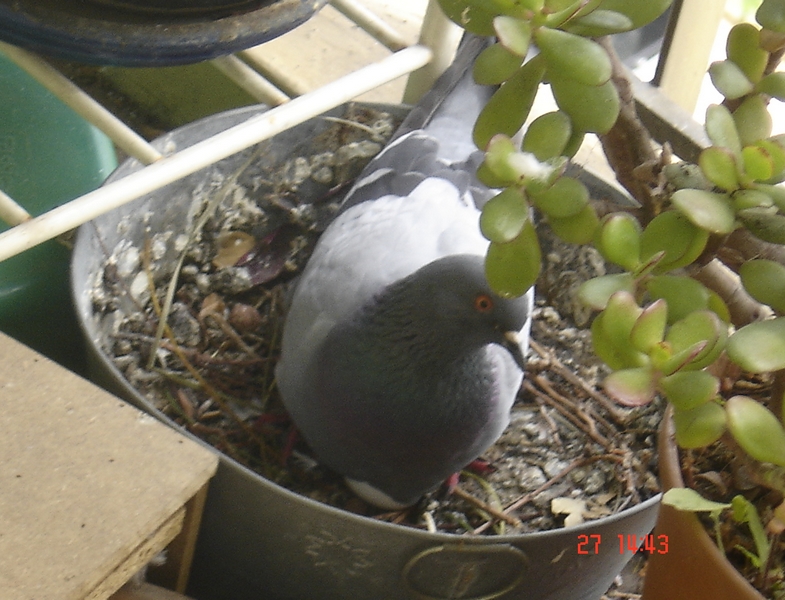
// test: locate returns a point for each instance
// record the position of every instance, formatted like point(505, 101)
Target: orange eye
point(483, 303)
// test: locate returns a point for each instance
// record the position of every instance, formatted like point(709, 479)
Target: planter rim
point(98, 34)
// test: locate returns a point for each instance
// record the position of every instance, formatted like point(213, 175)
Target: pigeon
point(399, 364)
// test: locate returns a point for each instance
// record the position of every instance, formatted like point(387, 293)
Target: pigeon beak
point(513, 345)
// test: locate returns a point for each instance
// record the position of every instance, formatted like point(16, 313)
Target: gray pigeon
point(399, 364)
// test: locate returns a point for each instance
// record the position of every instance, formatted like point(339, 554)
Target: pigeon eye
point(483, 303)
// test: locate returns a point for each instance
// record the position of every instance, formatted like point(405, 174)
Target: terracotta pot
point(693, 567)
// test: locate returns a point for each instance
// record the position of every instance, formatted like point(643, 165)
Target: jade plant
point(698, 301)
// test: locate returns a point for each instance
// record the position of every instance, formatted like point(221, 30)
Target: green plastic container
point(48, 156)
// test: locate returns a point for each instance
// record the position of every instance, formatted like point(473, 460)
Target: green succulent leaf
point(611, 332)
point(700, 426)
point(698, 327)
point(495, 65)
point(512, 167)
point(764, 223)
point(775, 146)
point(586, 7)
point(504, 216)
point(558, 13)
point(574, 143)
point(721, 129)
point(516, 8)
point(757, 163)
point(553, 6)
point(753, 120)
point(743, 48)
point(756, 429)
point(719, 166)
point(729, 79)
point(512, 267)
point(612, 356)
point(686, 175)
point(687, 499)
point(632, 387)
point(639, 12)
point(773, 84)
point(618, 239)
point(565, 198)
point(683, 294)
point(744, 511)
point(649, 328)
point(597, 291)
point(592, 109)
point(759, 347)
point(775, 193)
point(765, 281)
point(776, 154)
point(577, 229)
point(600, 22)
point(509, 106)
point(771, 15)
point(547, 136)
point(707, 210)
point(718, 307)
point(486, 175)
point(673, 234)
point(689, 389)
point(574, 57)
point(497, 158)
point(475, 16)
point(747, 198)
point(514, 34)
point(667, 362)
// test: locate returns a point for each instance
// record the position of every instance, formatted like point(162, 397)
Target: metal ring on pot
point(465, 567)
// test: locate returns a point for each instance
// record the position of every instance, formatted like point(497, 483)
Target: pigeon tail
point(447, 112)
point(435, 139)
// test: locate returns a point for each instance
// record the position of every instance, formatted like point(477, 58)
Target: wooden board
point(87, 482)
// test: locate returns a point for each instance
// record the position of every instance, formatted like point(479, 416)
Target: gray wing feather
point(435, 139)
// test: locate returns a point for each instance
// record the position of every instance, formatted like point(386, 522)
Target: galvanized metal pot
point(260, 541)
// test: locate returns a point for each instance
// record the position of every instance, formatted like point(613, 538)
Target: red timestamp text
point(652, 544)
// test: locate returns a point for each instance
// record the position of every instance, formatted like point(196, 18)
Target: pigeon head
point(447, 306)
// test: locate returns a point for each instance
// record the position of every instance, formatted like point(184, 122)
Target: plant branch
point(719, 278)
point(628, 145)
point(741, 246)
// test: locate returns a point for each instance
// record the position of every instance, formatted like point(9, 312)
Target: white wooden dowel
point(70, 94)
point(11, 212)
point(271, 69)
point(440, 35)
point(374, 25)
point(249, 80)
point(202, 154)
